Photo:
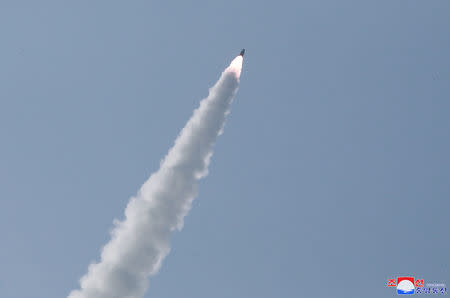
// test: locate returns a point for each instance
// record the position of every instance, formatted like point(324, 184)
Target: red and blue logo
point(405, 285)
point(408, 285)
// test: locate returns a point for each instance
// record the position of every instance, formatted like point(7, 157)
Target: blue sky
point(332, 174)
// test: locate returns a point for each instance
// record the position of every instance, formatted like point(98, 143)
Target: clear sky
point(332, 174)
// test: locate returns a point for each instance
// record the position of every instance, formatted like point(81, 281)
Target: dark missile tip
point(242, 52)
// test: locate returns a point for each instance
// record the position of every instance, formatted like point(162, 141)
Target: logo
point(408, 285)
point(405, 285)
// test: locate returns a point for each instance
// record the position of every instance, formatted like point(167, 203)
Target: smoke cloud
point(141, 241)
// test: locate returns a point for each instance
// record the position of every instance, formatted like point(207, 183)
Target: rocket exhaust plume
point(140, 242)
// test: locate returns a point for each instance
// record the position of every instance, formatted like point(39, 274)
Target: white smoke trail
point(141, 241)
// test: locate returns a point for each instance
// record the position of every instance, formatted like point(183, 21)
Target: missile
point(242, 53)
